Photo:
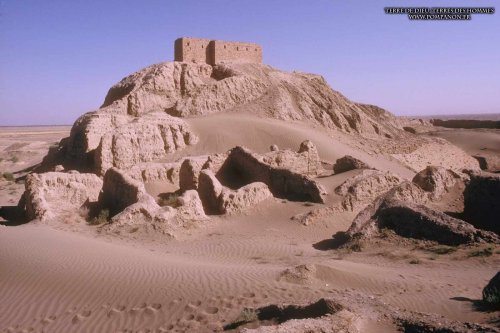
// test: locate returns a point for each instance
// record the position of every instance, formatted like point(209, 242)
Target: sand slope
point(60, 281)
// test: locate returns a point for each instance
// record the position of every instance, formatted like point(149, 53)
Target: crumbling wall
point(242, 167)
point(120, 191)
point(48, 194)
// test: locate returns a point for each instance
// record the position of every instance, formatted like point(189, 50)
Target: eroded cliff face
point(144, 111)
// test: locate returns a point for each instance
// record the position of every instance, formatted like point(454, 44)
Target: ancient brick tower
point(215, 51)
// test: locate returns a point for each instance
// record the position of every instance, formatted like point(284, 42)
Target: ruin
point(212, 52)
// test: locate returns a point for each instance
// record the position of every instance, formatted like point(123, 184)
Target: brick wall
point(192, 50)
point(215, 51)
point(236, 52)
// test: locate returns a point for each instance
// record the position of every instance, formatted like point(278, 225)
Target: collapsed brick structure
point(215, 51)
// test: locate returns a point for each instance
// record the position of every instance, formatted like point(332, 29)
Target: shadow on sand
point(13, 216)
point(478, 305)
point(337, 240)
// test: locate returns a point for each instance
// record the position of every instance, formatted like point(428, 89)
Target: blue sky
point(59, 58)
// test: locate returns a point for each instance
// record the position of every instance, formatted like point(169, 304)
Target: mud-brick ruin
point(216, 51)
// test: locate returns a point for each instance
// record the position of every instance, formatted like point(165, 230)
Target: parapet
point(215, 51)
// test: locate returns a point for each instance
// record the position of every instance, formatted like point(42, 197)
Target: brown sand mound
point(302, 274)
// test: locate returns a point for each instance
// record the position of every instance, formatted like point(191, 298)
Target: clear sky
point(58, 58)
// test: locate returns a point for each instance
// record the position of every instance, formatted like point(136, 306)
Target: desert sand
point(200, 263)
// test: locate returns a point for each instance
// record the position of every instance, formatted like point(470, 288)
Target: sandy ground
point(473, 141)
point(21, 148)
point(65, 276)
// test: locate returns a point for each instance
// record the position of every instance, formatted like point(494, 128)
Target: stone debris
point(348, 163)
point(409, 219)
point(362, 189)
point(491, 293)
point(436, 180)
point(305, 161)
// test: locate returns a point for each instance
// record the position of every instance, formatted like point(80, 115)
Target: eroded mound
point(135, 122)
point(403, 210)
point(419, 222)
point(184, 89)
point(436, 180)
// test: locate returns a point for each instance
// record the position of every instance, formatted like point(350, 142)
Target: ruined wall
point(242, 167)
point(120, 191)
point(236, 52)
point(49, 194)
point(215, 51)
